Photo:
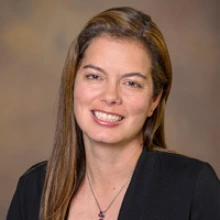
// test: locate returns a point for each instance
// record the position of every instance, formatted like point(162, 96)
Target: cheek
point(139, 105)
point(80, 103)
point(83, 95)
point(80, 96)
point(141, 109)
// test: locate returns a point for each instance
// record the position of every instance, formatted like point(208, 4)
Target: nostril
point(111, 95)
point(110, 100)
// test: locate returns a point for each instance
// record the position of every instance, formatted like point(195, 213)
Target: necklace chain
point(102, 213)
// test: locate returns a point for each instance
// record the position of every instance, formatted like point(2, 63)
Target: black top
point(164, 186)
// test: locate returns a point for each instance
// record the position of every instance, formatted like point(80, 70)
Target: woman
point(104, 165)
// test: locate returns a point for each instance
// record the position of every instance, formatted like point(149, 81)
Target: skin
point(115, 80)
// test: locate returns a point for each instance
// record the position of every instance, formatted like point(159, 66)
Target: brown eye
point(93, 77)
point(133, 84)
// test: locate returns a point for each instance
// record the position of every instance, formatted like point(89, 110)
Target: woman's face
point(113, 92)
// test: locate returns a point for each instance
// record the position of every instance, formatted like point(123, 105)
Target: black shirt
point(164, 186)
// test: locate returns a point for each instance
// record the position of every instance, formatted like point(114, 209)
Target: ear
point(154, 103)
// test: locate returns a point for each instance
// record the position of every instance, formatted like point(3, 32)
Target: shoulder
point(37, 171)
point(177, 168)
point(194, 180)
point(33, 179)
point(175, 162)
point(190, 179)
point(178, 184)
point(26, 200)
point(186, 171)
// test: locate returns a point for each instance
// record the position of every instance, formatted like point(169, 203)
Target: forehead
point(109, 51)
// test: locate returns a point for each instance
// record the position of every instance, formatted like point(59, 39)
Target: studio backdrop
point(34, 39)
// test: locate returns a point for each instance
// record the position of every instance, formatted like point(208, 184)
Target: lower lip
point(106, 123)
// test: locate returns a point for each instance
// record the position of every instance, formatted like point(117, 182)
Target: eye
point(93, 76)
point(133, 84)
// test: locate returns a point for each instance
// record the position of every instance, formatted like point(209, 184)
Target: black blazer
point(164, 186)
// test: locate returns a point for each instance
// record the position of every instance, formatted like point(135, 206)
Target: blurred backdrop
point(34, 39)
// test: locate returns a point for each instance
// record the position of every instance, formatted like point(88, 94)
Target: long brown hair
point(66, 166)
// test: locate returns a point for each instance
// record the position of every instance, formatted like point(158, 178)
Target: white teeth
point(107, 117)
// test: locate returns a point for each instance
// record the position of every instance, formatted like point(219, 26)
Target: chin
point(105, 139)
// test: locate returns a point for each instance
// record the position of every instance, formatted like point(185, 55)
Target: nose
point(111, 94)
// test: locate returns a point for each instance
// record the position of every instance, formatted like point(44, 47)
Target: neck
point(111, 165)
point(109, 169)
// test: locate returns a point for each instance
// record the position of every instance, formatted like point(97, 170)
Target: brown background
point(34, 37)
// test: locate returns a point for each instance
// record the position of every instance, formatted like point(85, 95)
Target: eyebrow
point(134, 74)
point(123, 75)
point(94, 67)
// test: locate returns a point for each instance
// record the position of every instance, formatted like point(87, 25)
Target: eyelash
point(133, 84)
point(129, 83)
point(93, 77)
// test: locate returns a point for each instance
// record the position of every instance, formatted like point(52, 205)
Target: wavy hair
point(66, 166)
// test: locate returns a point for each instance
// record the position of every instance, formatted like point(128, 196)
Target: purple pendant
point(101, 215)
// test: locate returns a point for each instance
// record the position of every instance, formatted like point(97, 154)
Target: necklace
point(101, 214)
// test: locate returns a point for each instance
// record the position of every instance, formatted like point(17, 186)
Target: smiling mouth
point(106, 117)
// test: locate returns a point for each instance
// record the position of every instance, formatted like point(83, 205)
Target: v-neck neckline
point(132, 205)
